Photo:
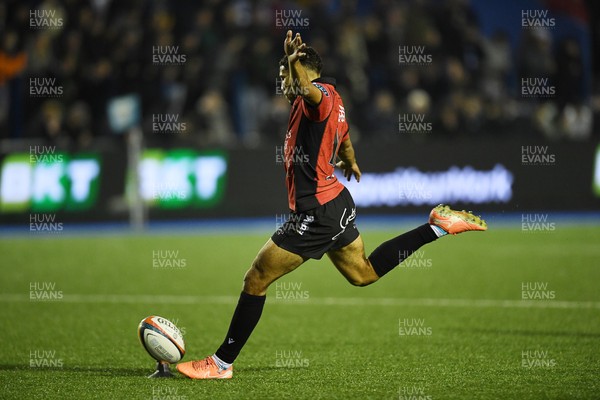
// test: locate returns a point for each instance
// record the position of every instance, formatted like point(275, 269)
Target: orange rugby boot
point(454, 222)
point(204, 369)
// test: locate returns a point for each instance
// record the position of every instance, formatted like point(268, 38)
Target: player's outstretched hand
point(349, 170)
point(293, 48)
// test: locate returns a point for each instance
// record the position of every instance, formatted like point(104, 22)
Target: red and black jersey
point(311, 146)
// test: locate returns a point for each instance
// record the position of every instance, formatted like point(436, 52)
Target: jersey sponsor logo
point(322, 89)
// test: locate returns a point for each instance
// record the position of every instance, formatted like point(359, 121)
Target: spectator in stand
point(104, 49)
point(12, 64)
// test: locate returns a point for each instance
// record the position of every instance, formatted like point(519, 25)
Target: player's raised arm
point(348, 164)
point(299, 77)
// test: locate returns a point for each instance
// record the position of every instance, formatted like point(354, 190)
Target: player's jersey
point(311, 146)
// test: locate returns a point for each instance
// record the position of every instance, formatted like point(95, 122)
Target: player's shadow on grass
point(269, 368)
point(96, 370)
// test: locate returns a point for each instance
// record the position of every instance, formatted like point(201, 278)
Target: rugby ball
point(161, 339)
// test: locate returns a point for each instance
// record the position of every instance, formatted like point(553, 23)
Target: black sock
point(391, 253)
point(246, 316)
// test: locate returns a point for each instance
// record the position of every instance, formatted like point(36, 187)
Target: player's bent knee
point(253, 285)
point(255, 280)
point(362, 281)
point(254, 276)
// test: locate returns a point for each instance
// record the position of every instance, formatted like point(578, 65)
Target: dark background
point(226, 92)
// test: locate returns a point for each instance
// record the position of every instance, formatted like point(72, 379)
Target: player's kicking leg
point(271, 263)
point(360, 270)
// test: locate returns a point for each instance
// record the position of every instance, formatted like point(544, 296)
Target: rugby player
point(322, 212)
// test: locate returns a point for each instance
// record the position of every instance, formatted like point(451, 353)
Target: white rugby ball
point(161, 339)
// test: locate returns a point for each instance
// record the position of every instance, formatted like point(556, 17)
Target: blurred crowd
point(222, 82)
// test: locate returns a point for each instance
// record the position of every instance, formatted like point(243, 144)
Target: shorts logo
point(344, 221)
point(296, 223)
point(304, 224)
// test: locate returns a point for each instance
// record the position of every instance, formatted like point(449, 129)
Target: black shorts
point(313, 233)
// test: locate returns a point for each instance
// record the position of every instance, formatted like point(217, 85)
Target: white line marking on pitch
point(333, 301)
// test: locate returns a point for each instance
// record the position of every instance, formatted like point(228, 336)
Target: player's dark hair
point(312, 60)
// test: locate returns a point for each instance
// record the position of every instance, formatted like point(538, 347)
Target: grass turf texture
point(343, 341)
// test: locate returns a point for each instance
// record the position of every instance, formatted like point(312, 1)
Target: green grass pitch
point(452, 324)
